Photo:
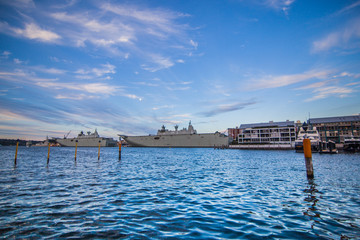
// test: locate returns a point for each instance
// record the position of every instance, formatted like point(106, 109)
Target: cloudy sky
point(131, 66)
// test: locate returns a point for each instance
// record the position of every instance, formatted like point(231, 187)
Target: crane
point(67, 134)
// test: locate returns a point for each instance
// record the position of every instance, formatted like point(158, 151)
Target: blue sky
point(128, 67)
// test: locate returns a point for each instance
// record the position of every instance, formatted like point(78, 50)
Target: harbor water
point(167, 193)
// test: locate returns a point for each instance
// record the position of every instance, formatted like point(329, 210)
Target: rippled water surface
point(177, 194)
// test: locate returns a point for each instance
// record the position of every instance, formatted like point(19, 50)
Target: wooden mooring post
point(48, 156)
point(16, 150)
point(308, 158)
point(120, 150)
point(99, 151)
point(76, 149)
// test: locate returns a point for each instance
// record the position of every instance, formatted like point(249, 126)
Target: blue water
point(177, 194)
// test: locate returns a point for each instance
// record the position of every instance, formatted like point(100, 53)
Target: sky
point(129, 67)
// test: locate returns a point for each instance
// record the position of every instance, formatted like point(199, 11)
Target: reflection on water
point(177, 193)
point(311, 198)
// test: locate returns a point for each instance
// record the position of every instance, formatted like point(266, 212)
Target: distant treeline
point(12, 142)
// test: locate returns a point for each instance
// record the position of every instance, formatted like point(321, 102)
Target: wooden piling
point(99, 151)
point(308, 158)
point(48, 156)
point(16, 150)
point(75, 149)
point(120, 150)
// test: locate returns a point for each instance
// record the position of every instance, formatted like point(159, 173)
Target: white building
point(268, 133)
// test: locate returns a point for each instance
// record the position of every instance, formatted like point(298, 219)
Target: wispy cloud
point(285, 80)
point(335, 86)
point(342, 38)
point(30, 31)
point(331, 91)
point(128, 30)
point(175, 119)
point(349, 8)
point(5, 54)
point(162, 107)
point(353, 84)
point(155, 21)
point(75, 96)
point(21, 4)
point(85, 28)
point(97, 72)
point(123, 30)
point(79, 90)
point(283, 5)
point(43, 69)
point(158, 62)
point(224, 108)
point(94, 88)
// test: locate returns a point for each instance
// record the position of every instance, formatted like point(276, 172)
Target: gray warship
point(89, 140)
point(185, 138)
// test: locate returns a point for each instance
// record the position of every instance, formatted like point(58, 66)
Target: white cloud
point(349, 7)
point(50, 70)
point(157, 21)
point(283, 5)
point(82, 28)
point(285, 80)
point(17, 61)
point(177, 88)
point(158, 62)
point(330, 88)
point(128, 29)
point(96, 72)
point(313, 85)
point(154, 35)
point(147, 84)
point(162, 107)
point(95, 88)
point(194, 44)
point(133, 96)
point(5, 54)
point(31, 31)
point(106, 69)
point(353, 84)
point(325, 92)
point(341, 38)
point(75, 96)
point(224, 108)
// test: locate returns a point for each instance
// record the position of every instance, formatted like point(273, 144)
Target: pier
point(263, 146)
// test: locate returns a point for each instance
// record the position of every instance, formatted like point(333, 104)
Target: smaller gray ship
point(89, 140)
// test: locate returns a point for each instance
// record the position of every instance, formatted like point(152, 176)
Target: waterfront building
point(268, 133)
point(336, 128)
point(233, 134)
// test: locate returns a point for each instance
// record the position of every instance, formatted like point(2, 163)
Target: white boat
point(310, 133)
point(89, 140)
point(351, 144)
point(179, 139)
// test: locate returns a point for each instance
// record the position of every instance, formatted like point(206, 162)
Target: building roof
point(354, 118)
point(268, 125)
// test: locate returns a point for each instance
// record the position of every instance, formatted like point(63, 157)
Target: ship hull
point(92, 142)
point(206, 140)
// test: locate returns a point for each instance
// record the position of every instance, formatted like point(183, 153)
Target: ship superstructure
point(186, 137)
point(86, 140)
